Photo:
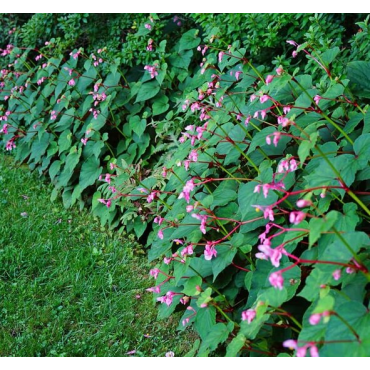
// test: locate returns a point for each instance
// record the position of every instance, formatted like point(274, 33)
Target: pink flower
point(10, 145)
point(286, 110)
point(277, 136)
point(148, 26)
point(189, 208)
point(263, 114)
point(71, 82)
point(193, 156)
point(303, 203)
point(337, 274)
point(189, 186)
point(314, 352)
point(290, 343)
point(210, 251)
point(4, 130)
point(268, 253)
point(264, 98)
point(317, 99)
point(314, 319)
point(276, 280)
point(269, 79)
point(294, 54)
point(151, 196)
point(164, 172)
point(301, 351)
point(160, 234)
point(253, 96)
point(84, 140)
point(248, 315)
point(279, 71)
point(296, 217)
point(167, 260)
point(237, 74)
point(154, 273)
point(187, 250)
point(220, 56)
point(167, 299)
point(178, 241)
point(158, 220)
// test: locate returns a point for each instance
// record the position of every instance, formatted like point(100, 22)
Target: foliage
point(247, 178)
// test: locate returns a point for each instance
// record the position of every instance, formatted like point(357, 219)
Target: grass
point(68, 288)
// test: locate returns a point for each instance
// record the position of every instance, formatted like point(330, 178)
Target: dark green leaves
point(90, 172)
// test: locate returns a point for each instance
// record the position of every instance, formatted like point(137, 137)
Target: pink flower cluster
point(5, 116)
point(152, 70)
point(97, 61)
point(203, 221)
point(75, 55)
point(108, 202)
point(189, 186)
point(287, 165)
point(41, 80)
point(267, 253)
point(167, 298)
point(150, 45)
point(210, 251)
point(95, 112)
point(53, 115)
point(248, 315)
point(4, 129)
point(301, 351)
point(10, 145)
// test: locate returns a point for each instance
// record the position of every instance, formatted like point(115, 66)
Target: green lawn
point(68, 288)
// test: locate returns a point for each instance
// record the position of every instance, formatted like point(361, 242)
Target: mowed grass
point(68, 288)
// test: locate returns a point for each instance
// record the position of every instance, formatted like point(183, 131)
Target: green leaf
point(359, 74)
point(181, 59)
point(190, 288)
point(204, 320)
point(54, 169)
point(305, 147)
point(137, 125)
point(65, 141)
point(225, 255)
point(225, 193)
point(189, 40)
point(235, 345)
point(361, 146)
point(160, 105)
point(320, 225)
point(90, 172)
point(147, 91)
point(218, 334)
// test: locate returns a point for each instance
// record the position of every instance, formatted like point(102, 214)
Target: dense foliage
point(253, 176)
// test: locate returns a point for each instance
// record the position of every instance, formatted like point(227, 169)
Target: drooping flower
point(303, 203)
point(269, 79)
point(167, 299)
point(337, 274)
point(314, 319)
point(154, 273)
point(189, 186)
point(276, 280)
point(248, 315)
point(317, 99)
point(264, 98)
point(297, 217)
point(210, 251)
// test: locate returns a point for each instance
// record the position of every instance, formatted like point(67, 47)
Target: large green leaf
point(90, 171)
